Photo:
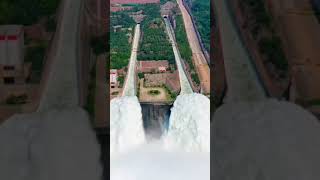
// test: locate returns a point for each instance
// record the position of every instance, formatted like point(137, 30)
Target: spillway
point(129, 86)
point(126, 127)
point(189, 124)
point(184, 82)
point(185, 143)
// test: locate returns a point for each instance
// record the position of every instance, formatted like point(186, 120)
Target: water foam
point(182, 153)
point(189, 124)
point(126, 126)
point(154, 162)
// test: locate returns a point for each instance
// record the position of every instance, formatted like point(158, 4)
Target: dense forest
point(155, 43)
point(201, 13)
point(120, 48)
point(26, 12)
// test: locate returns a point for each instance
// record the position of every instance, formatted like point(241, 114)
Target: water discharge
point(189, 124)
point(182, 153)
point(126, 127)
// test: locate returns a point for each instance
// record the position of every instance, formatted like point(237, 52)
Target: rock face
point(52, 145)
point(265, 140)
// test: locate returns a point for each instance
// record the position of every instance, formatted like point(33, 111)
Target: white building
point(113, 78)
point(11, 54)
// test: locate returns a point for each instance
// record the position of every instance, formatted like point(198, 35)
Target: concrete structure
point(153, 66)
point(113, 78)
point(167, 8)
point(129, 88)
point(186, 87)
point(171, 80)
point(12, 69)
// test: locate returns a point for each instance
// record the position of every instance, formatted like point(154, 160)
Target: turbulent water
point(189, 125)
point(183, 152)
point(126, 127)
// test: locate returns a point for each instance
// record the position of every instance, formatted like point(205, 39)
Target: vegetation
point(172, 95)
point(121, 81)
point(35, 55)
point(195, 78)
point(99, 44)
point(184, 47)
point(14, 100)
point(271, 47)
point(155, 42)
point(154, 92)
point(182, 42)
point(141, 75)
point(261, 28)
point(26, 12)
point(115, 93)
point(120, 47)
point(201, 12)
point(90, 105)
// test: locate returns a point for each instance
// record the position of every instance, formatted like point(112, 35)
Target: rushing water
point(183, 152)
point(126, 127)
point(189, 125)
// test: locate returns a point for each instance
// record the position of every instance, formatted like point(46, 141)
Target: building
point(113, 78)
point(153, 66)
point(171, 80)
point(12, 67)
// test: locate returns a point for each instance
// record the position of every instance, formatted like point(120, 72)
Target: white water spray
point(189, 124)
point(182, 153)
point(126, 126)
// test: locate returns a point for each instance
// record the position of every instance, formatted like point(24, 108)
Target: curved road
point(242, 80)
point(62, 89)
point(129, 86)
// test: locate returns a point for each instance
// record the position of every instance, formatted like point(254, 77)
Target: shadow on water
point(155, 119)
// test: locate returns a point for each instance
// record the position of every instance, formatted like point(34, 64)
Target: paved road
point(201, 64)
point(129, 86)
point(184, 82)
point(242, 80)
point(62, 83)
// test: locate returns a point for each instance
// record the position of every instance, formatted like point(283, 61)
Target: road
point(61, 88)
point(199, 59)
point(130, 84)
point(184, 82)
point(242, 79)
